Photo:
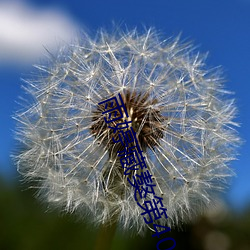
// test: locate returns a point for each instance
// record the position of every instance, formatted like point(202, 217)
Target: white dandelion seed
point(182, 117)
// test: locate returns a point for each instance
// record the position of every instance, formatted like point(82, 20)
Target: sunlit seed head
point(182, 116)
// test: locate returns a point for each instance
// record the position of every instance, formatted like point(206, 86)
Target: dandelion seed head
point(182, 116)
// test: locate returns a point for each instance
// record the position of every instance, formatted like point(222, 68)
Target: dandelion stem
point(105, 236)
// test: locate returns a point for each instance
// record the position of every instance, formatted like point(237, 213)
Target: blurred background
point(29, 28)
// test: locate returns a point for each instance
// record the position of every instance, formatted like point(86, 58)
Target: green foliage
point(25, 226)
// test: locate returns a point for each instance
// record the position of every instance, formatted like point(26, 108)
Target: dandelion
point(182, 116)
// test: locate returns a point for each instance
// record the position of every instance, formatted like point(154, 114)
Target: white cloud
point(25, 31)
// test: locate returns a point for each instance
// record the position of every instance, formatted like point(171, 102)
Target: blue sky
point(221, 27)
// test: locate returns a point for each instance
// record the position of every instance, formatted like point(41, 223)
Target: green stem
point(105, 236)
